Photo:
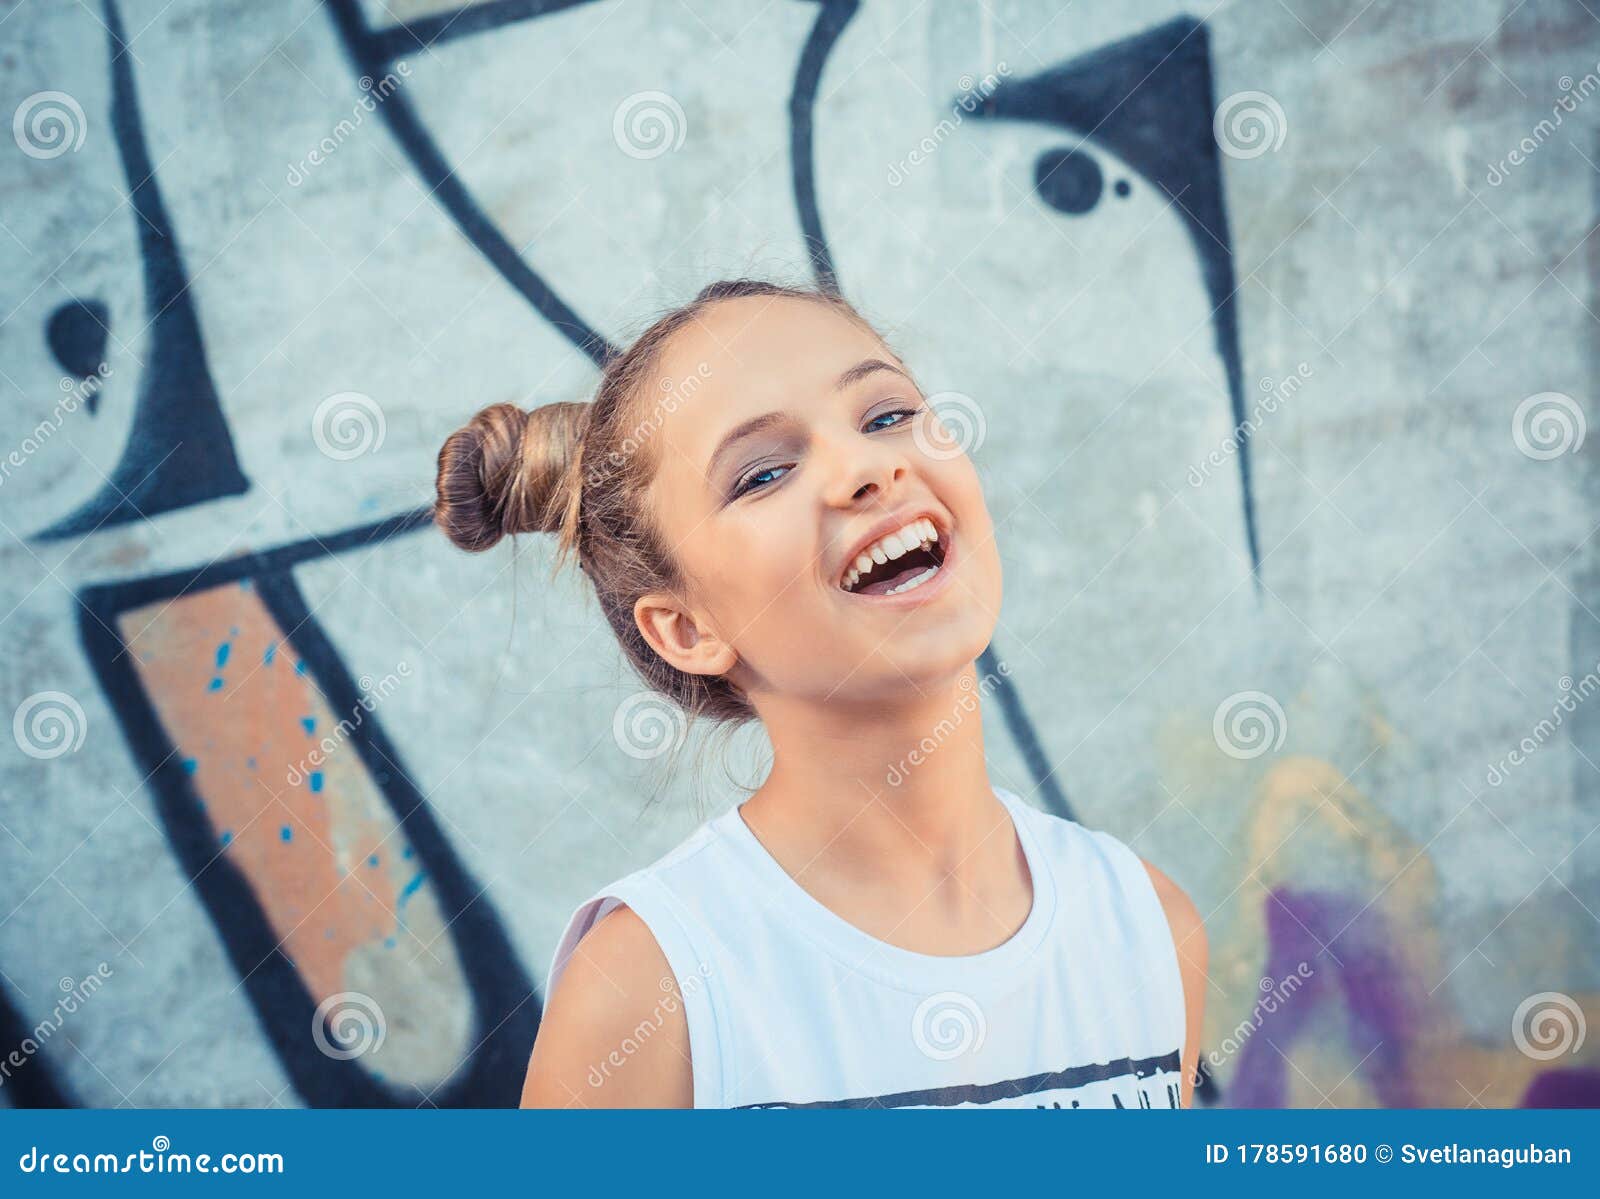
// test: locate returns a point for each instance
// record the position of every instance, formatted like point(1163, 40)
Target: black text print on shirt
point(1144, 1083)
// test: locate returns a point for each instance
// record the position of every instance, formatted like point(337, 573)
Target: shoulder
point(614, 1032)
point(1188, 928)
point(1189, 940)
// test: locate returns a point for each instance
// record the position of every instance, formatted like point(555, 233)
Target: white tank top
point(789, 1005)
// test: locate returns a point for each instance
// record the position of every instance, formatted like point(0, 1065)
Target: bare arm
point(1189, 939)
point(614, 1032)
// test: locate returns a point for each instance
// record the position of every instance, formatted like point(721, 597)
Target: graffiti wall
point(1270, 326)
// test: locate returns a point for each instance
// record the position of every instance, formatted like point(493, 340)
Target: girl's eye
point(757, 479)
point(903, 414)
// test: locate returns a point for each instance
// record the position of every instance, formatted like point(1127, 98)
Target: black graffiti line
point(1053, 1080)
point(423, 33)
point(830, 23)
point(177, 407)
point(370, 56)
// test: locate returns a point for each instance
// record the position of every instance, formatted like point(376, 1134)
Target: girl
point(777, 528)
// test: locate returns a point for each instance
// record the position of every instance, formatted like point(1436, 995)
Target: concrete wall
point(1330, 672)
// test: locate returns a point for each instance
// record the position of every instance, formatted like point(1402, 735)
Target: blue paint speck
point(286, 833)
point(411, 888)
point(270, 653)
point(373, 860)
point(316, 781)
point(300, 667)
point(190, 765)
point(227, 836)
point(408, 852)
point(223, 651)
point(216, 685)
point(309, 723)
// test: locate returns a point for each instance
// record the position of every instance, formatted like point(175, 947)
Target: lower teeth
point(918, 581)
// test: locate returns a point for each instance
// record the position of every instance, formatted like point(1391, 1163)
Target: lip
point(892, 524)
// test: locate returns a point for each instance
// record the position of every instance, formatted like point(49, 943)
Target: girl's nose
point(862, 473)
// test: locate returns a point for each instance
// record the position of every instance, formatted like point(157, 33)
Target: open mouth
point(900, 561)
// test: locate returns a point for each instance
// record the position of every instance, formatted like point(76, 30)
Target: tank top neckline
point(991, 971)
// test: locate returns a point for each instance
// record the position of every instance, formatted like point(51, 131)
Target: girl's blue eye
point(760, 478)
point(904, 413)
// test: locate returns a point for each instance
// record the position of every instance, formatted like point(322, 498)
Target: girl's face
point(835, 544)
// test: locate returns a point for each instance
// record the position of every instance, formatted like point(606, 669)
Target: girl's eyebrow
point(867, 366)
point(756, 424)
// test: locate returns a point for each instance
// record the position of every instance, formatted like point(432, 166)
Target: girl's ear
point(673, 633)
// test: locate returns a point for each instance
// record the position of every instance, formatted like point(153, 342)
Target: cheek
point(755, 574)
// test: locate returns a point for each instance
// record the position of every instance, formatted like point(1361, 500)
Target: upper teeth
point(896, 544)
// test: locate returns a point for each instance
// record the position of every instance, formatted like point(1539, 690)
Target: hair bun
point(508, 470)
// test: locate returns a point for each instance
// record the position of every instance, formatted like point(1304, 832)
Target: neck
point(900, 788)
